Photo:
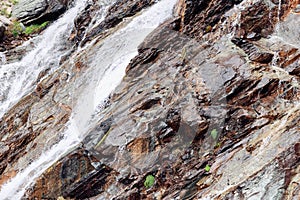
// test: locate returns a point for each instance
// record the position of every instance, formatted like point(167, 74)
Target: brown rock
point(162, 119)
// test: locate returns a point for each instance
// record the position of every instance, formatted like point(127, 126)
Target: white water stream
point(106, 70)
point(17, 79)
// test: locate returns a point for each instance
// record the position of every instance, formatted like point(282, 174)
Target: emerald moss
point(214, 134)
point(14, 2)
point(35, 28)
point(149, 182)
point(16, 29)
point(207, 168)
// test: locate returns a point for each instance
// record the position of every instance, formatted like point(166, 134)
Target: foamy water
point(17, 79)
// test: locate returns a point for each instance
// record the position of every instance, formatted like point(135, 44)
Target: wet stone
point(199, 104)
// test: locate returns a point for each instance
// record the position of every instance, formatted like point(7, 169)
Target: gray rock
point(297, 9)
point(5, 20)
point(37, 11)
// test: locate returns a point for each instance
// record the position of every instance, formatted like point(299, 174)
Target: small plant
point(218, 145)
point(208, 28)
point(214, 134)
point(16, 29)
point(149, 182)
point(207, 168)
point(35, 28)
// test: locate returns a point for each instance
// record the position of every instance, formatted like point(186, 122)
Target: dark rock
point(38, 11)
point(71, 170)
point(197, 16)
point(145, 56)
point(83, 20)
point(253, 52)
point(90, 185)
point(173, 119)
point(2, 31)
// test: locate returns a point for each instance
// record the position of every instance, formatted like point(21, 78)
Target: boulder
point(37, 11)
point(5, 20)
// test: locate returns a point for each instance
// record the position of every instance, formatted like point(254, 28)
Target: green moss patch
point(149, 182)
point(18, 29)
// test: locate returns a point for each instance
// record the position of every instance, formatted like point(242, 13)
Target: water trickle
point(2, 58)
point(279, 10)
point(17, 187)
point(277, 27)
point(96, 20)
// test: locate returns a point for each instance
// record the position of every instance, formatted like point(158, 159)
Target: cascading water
point(2, 58)
point(102, 76)
point(16, 79)
point(108, 69)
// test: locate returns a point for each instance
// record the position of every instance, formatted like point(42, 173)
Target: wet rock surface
point(41, 113)
point(116, 13)
point(18, 15)
point(209, 107)
point(39, 11)
point(2, 30)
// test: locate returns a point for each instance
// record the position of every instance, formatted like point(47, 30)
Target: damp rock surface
point(209, 107)
point(38, 11)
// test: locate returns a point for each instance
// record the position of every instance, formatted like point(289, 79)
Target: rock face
point(2, 30)
point(210, 107)
point(38, 11)
point(116, 14)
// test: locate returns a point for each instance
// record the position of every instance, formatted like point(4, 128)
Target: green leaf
point(214, 134)
point(218, 145)
point(207, 168)
point(149, 182)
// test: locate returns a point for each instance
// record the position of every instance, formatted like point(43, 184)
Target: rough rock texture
point(5, 8)
point(2, 30)
point(5, 20)
point(210, 107)
point(116, 13)
point(38, 11)
point(27, 12)
point(43, 112)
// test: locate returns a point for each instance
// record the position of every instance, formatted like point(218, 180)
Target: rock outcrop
point(38, 11)
point(210, 107)
point(5, 8)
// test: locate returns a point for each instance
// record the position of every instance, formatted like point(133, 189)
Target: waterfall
point(17, 79)
point(105, 72)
